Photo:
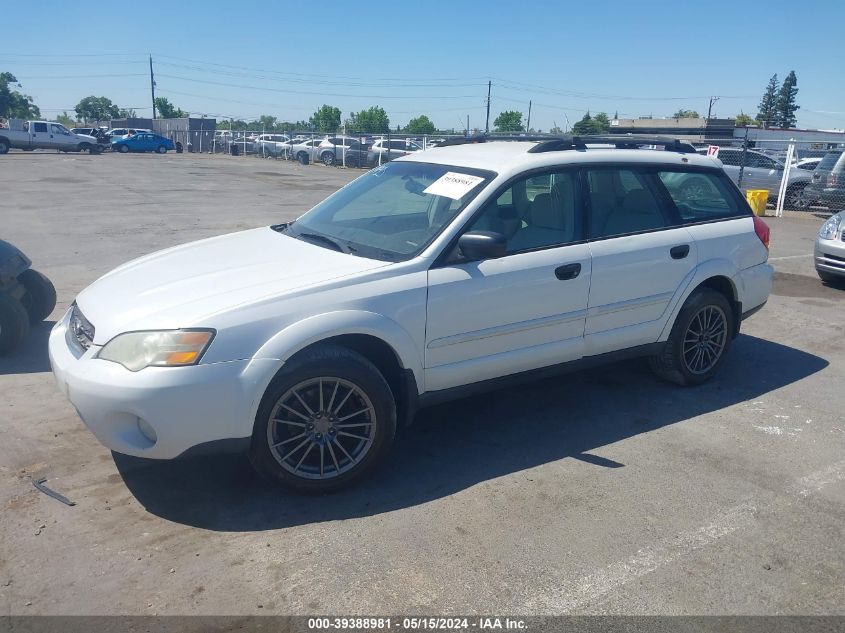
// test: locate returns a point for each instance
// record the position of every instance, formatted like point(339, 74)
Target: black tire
point(4, 146)
point(83, 147)
point(123, 149)
point(796, 198)
point(40, 297)
point(14, 323)
point(327, 158)
point(96, 149)
point(672, 363)
point(161, 149)
point(829, 278)
point(330, 364)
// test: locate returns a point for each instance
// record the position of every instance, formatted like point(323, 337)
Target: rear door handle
point(679, 252)
point(568, 271)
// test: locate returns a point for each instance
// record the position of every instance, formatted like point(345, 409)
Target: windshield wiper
point(322, 238)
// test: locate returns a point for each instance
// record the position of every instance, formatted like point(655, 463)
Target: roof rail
point(562, 143)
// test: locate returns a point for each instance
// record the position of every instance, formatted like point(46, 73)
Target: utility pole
point(528, 124)
point(487, 125)
point(710, 107)
point(467, 125)
point(152, 86)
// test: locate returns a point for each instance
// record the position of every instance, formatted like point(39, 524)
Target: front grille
point(80, 330)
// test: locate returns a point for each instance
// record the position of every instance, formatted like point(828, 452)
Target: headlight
point(163, 348)
point(830, 228)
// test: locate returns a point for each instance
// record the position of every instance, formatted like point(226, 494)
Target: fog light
point(147, 430)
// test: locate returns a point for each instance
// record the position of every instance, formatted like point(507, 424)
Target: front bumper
point(829, 256)
point(184, 406)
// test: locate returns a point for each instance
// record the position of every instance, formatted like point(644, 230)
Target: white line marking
point(572, 595)
point(814, 482)
point(776, 259)
point(598, 584)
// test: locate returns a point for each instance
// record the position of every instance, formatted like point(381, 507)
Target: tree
point(167, 110)
point(326, 119)
point(96, 109)
point(509, 121)
point(785, 105)
point(373, 120)
point(601, 123)
point(125, 113)
point(14, 104)
point(686, 114)
point(65, 119)
point(420, 125)
point(743, 120)
point(584, 126)
point(766, 113)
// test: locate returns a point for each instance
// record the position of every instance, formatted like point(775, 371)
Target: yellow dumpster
point(757, 198)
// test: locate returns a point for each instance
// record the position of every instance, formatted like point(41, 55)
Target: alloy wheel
point(321, 428)
point(705, 339)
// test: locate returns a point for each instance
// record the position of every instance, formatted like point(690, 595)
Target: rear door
point(640, 255)
point(39, 135)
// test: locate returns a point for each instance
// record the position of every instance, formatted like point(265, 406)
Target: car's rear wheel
point(4, 146)
point(699, 341)
point(40, 297)
point(83, 147)
point(14, 323)
point(327, 158)
point(796, 198)
point(325, 420)
point(161, 149)
point(123, 149)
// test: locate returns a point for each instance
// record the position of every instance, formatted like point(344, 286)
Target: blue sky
point(287, 58)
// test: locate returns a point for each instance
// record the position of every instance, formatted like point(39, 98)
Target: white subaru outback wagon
point(435, 275)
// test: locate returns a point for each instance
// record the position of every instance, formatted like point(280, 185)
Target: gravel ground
point(600, 492)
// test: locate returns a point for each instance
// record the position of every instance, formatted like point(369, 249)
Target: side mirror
point(482, 245)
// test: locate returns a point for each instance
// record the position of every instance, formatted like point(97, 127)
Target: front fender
point(301, 334)
point(711, 268)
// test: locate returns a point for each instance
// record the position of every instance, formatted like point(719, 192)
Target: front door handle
point(567, 271)
point(679, 252)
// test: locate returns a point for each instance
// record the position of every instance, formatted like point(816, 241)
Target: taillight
point(762, 231)
point(832, 179)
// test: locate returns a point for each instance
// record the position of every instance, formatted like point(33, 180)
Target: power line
point(319, 94)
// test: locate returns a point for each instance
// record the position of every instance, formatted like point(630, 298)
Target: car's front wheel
point(699, 341)
point(796, 198)
point(325, 420)
point(123, 149)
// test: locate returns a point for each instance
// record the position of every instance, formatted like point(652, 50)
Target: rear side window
point(700, 196)
point(39, 127)
point(621, 201)
point(829, 160)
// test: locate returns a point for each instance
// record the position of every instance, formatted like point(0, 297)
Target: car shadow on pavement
point(31, 356)
point(455, 446)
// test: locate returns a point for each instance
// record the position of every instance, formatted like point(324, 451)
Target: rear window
point(701, 196)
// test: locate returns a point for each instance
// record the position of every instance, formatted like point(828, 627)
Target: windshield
point(392, 212)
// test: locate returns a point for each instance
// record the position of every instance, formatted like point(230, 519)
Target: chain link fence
point(796, 175)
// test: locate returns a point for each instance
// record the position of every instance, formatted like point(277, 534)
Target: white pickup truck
point(29, 135)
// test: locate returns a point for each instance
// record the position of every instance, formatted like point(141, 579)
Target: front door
point(518, 312)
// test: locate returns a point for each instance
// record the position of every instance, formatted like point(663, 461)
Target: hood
point(185, 285)
point(86, 137)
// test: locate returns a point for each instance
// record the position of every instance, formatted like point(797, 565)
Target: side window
point(39, 128)
point(700, 197)
point(729, 158)
point(535, 212)
point(621, 202)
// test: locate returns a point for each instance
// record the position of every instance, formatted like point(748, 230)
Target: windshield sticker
point(453, 185)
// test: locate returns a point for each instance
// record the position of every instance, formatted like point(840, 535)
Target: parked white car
point(435, 275)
